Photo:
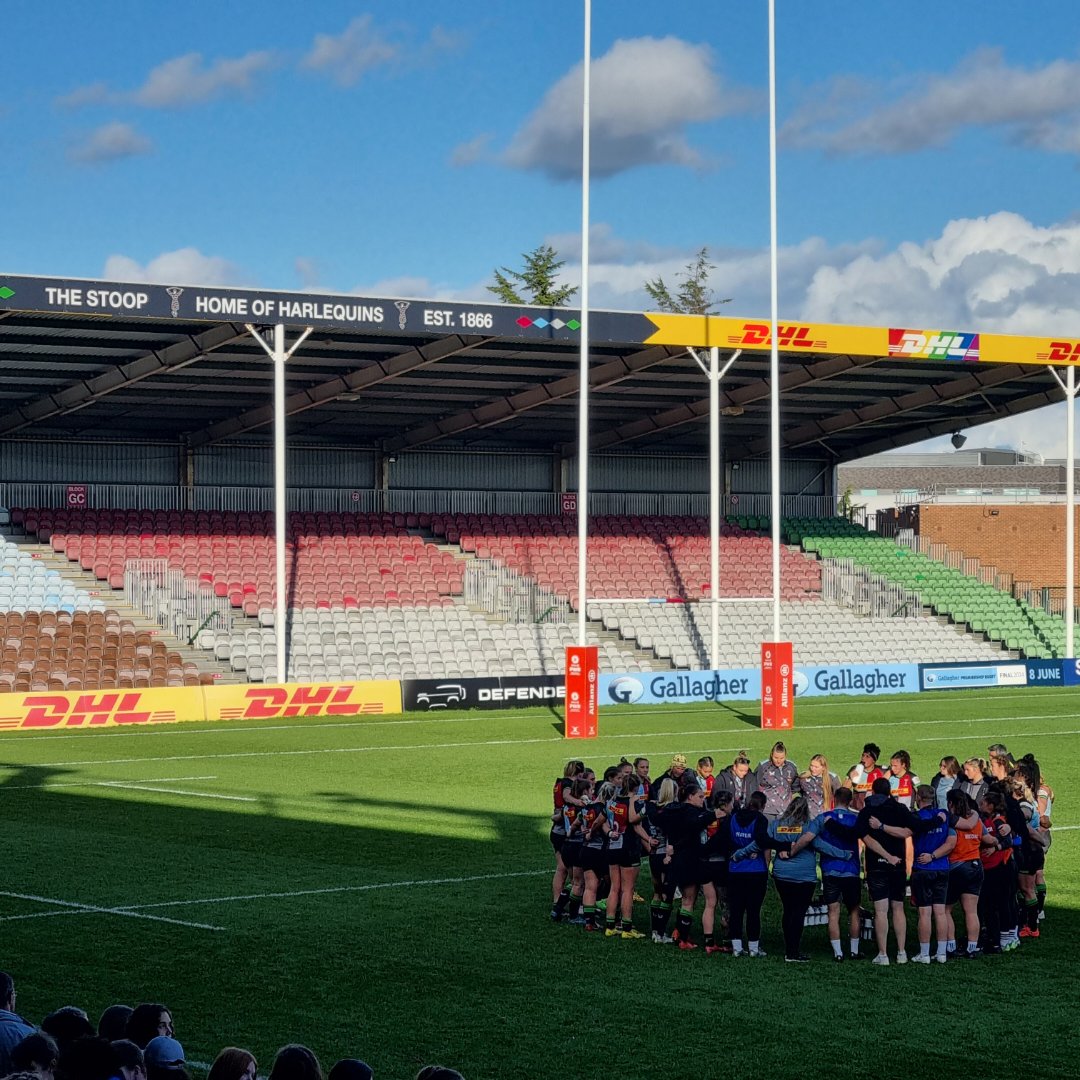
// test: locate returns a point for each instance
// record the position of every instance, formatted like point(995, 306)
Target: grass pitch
point(379, 887)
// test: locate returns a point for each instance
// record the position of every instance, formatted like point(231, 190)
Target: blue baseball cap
point(163, 1051)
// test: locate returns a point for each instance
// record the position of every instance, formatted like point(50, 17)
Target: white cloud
point(185, 266)
point(471, 151)
point(347, 57)
point(182, 81)
point(645, 93)
point(1000, 272)
point(1038, 106)
point(110, 142)
point(97, 93)
point(409, 286)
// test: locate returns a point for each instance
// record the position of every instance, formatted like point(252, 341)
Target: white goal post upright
point(714, 373)
point(1068, 384)
point(583, 366)
point(280, 355)
point(774, 356)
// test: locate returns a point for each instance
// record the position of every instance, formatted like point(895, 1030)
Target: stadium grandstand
point(431, 514)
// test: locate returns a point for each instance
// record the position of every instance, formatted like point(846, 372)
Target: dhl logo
point(268, 702)
point(789, 336)
point(1061, 352)
point(934, 345)
point(86, 710)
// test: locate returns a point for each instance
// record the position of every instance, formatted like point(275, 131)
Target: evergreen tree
point(535, 283)
point(693, 295)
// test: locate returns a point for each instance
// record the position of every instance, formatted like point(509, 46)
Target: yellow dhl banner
point(900, 343)
point(755, 335)
point(118, 708)
point(301, 699)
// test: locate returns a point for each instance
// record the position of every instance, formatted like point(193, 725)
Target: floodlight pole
point(774, 357)
point(1068, 384)
point(583, 367)
point(280, 355)
point(714, 374)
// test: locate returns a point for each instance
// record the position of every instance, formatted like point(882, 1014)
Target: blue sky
point(927, 175)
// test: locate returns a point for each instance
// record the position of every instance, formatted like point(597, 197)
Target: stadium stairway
point(115, 601)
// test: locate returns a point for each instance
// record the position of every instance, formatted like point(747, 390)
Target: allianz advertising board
point(744, 684)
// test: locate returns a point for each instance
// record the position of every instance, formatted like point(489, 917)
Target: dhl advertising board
point(902, 343)
point(301, 699)
point(100, 708)
point(121, 708)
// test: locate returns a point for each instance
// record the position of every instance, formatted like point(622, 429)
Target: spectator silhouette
point(113, 1022)
point(233, 1063)
point(36, 1054)
point(148, 1021)
point(295, 1062)
point(13, 1028)
point(351, 1069)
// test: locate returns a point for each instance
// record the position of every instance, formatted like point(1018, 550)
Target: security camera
point(958, 440)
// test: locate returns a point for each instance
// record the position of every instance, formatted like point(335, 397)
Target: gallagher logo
point(934, 345)
point(625, 691)
point(790, 336)
point(800, 682)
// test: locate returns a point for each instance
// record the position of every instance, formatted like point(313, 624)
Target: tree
point(693, 295)
point(536, 280)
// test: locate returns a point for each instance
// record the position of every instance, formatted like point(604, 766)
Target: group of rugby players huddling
point(976, 837)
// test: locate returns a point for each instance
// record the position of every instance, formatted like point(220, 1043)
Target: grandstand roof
point(82, 358)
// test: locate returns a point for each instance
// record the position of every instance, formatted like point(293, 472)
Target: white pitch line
point(493, 714)
point(94, 909)
point(875, 726)
point(1011, 735)
point(142, 786)
point(339, 889)
point(98, 783)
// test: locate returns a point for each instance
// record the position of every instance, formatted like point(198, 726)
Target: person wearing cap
point(777, 779)
point(164, 1058)
point(738, 779)
point(13, 1028)
point(677, 772)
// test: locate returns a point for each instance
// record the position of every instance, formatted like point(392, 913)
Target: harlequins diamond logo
point(5, 292)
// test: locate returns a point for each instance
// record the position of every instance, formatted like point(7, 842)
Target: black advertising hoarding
point(199, 303)
point(496, 692)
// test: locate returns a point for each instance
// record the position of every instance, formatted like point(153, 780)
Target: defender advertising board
point(496, 692)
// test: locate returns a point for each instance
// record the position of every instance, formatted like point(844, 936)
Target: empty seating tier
point(332, 560)
point(977, 605)
point(628, 557)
